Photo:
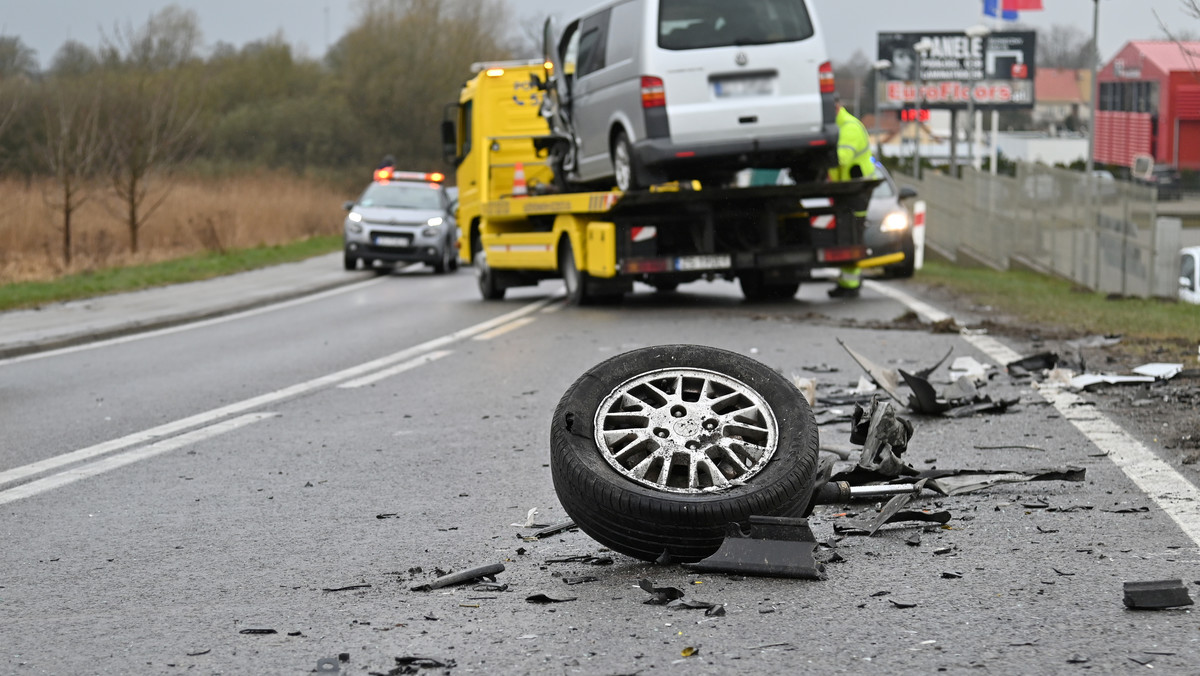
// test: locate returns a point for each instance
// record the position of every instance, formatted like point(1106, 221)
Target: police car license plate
point(744, 86)
point(703, 262)
point(392, 240)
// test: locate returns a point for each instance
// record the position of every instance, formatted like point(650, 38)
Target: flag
point(1021, 5)
point(992, 8)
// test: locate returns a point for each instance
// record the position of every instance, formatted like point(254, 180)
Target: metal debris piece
point(544, 599)
point(486, 572)
point(1159, 371)
point(258, 632)
point(959, 481)
point(773, 546)
point(710, 609)
point(1156, 594)
point(659, 596)
point(887, 379)
point(924, 399)
point(902, 604)
point(580, 580)
point(555, 529)
point(884, 437)
point(411, 665)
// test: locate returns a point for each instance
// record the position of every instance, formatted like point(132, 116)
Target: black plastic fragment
point(584, 558)
point(580, 580)
point(544, 599)
point(348, 588)
point(773, 546)
point(488, 571)
point(1156, 594)
point(554, 529)
point(1036, 362)
point(258, 632)
point(659, 596)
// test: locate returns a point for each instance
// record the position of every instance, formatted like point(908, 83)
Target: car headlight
point(897, 221)
point(435, 221)
point(355, 216)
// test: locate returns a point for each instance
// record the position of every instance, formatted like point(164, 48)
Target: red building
point(1150, 105)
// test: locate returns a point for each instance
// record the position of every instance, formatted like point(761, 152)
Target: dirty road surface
point(262, 495)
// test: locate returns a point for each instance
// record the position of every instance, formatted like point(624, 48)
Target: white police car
point(402, 217)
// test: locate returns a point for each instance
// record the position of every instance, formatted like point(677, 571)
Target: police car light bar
point(390, 175)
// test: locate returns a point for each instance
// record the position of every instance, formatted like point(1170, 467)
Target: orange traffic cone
point(519, 189)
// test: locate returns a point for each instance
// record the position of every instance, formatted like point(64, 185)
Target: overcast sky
point(313, 24)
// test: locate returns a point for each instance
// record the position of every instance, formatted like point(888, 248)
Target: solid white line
point(399, 368)
point(501, 330)
point(193, 325)
point(176, 426)
point(128, 457)
point(1171, 491)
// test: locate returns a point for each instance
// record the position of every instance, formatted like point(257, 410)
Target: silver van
point(648, 91)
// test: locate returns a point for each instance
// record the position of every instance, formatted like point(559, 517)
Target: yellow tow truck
point(518, 225)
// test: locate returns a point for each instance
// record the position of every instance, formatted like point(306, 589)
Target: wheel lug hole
point(678, 411)
point(661, 433)
point(692, 446)
point(710, 425)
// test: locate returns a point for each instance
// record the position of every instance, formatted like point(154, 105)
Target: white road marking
point(128, 457)
point(193, 325)
point(501, 330)
point(1170, 490)
point(206, 417)
point(398, 368)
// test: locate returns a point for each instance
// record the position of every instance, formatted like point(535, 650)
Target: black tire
point(647, 522)
point(488, 287)
point(573, 278)
point(442, 265)
point(625, 171)
point(349, 262)
point(756, 290)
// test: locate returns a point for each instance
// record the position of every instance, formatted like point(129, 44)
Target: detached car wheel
point(655, 451)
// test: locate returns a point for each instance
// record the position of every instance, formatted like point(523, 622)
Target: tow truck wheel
point(622, 159)
point(756, 289)
point(488, 288)
point(573, 278)
point(349, 262)
point(655, 451)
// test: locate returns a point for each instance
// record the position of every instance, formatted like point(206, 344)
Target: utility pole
point(879, 66)
point(1091, 161)
point(922, 49)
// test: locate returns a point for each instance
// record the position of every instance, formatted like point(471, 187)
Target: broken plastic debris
point(659, 596)
point(258, 632)
point(958, 482)
point(967, 367)
point(1159, 371)
point(529, 519)
point(1156, 594)
point(420, 663)
point(585, 558)
point(774, 546)
point(544, 599)
point(485, 572)
point(887, 379)
point(1043, 361)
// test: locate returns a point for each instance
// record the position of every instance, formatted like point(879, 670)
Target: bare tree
point(16, 59)
point(71, 149)
point(152, 126)
point(1182, 36)
point(1066, 47)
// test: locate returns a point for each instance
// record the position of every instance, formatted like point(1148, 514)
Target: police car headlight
point(897, 221)
point(435, 221)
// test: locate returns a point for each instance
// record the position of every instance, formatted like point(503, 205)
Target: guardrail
point(1105, 235)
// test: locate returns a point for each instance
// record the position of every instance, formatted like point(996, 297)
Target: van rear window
point(698, 24)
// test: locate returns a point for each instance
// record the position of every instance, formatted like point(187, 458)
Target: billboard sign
point(999, 68)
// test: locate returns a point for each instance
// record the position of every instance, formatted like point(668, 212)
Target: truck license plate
point(703, 262)
point(391, 241)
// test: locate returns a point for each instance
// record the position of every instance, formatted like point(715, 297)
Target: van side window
point(592, 42)
point(699, 24)
point(1187, 268)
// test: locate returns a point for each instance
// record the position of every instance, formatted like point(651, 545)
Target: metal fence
point(1102, 234)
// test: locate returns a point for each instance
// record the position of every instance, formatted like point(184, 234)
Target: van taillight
point(824, 73)
point(653, 95)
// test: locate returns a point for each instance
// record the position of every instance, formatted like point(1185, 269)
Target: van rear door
point(738, 70)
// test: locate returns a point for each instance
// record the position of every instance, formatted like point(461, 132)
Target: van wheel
point(349, 262)
point(623, 169)
point(573, 278)
point(489, 288)
point(655, 451)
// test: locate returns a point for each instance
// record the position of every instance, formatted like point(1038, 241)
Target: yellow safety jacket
point(854, 149)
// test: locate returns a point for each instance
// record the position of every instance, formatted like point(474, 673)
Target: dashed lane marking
point(398, 368)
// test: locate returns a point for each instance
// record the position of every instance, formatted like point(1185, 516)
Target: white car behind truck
point(1189, 275)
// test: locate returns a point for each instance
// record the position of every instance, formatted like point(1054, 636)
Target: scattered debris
point(258, 632)
point(1156, 594)
point(544, 599)
point(902, 604)
point(1025, 366)
point(548, 531)
point(659, 596)
point(328, 665)
point(529, 520)
point(584, 558)
point(887, 379)
point(959, 481)
point(580, 580)
point(413, 665)
point(353, 586)
point(774, 546)
point(199, 653)
point(710, 609)
point(487, 572)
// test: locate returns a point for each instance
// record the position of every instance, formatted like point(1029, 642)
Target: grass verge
point(132, 278)
point(1049, 302)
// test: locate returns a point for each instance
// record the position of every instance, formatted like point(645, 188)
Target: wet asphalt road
point(284, 483)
